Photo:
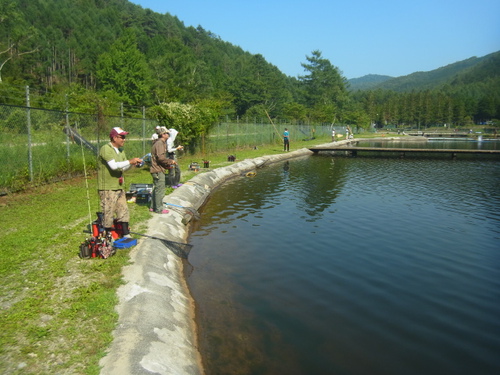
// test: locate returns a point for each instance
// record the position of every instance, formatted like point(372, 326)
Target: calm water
point(352, 266)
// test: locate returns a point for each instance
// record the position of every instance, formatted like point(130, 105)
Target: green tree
point(178, 75)
point(124, 70)
point(16, 38)
point(295, 112)
point(358, 118)
point(487, 108)
point(324, 85)
point(192, 121)
point(257, 83)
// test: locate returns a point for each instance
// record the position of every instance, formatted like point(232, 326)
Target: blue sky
point(360, 37)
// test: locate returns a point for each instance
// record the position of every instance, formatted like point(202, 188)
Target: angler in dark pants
point(286, 140)
point(159, 165)
point(112, 163)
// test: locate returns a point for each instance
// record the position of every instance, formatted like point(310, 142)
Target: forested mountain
point(367, 82)
point(131, 54)
point(472, 70)
point(103, 55)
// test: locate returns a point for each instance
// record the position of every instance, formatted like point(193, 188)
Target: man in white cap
point(112, 163)
point(174, 174)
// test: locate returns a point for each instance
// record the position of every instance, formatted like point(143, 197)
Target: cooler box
point(124, 243)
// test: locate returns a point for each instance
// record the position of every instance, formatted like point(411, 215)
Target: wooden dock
point(354, 150)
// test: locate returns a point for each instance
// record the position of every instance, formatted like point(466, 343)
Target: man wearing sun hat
point(112, 163)
point(160, 163)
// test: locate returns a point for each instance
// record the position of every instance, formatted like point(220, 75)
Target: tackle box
point(142, 192)
point(124, 243)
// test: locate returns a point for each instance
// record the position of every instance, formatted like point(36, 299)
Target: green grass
point(57, 310)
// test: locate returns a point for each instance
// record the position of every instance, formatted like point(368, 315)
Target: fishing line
point(178, 248)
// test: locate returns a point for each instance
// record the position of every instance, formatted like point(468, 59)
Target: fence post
point(143, 130)
point(28, 114)
point(121, 115)
point(66, 115)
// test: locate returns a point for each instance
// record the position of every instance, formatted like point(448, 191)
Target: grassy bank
point(58, 311)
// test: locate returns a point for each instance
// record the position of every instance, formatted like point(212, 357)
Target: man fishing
point(286, 140)
point(112, 163)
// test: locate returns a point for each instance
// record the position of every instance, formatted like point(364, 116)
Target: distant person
point(174, 174)
point(286, 140)
point(160, 163)
point(110, 183)
point(333, 135)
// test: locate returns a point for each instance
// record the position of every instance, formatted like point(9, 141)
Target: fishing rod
point(269, 117)
point(86, 180)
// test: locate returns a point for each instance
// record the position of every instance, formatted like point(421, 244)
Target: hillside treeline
point(114, 57)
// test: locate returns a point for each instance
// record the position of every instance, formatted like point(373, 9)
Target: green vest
point(108, 179)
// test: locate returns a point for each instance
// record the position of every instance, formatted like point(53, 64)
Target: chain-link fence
point(229, 136)
point(39, 146)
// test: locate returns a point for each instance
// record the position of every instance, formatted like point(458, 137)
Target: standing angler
point(286, 140)
point(159, 165)
point(112, 163)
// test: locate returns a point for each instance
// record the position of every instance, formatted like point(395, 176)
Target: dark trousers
point(174, 175)
point(158, 191)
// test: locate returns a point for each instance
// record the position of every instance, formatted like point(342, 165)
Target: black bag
point(85, 250)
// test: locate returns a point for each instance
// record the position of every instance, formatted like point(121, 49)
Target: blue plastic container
point(124, 243)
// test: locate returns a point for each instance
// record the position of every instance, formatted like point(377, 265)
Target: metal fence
point(38, 145)
point(232, 135)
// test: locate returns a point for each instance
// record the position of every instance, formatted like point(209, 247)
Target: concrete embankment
point(156, 332)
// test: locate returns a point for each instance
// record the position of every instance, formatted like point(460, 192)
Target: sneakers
point(177, 186)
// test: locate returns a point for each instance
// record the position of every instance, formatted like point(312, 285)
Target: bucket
point(96, 228)
point(117, 231)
